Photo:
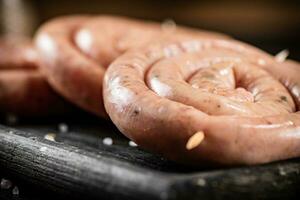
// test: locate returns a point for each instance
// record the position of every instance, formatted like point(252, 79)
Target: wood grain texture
point(81, 166)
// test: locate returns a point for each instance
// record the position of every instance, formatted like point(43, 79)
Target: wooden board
point(78, 164)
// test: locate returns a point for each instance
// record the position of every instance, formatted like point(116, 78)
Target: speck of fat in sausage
point(261, 61)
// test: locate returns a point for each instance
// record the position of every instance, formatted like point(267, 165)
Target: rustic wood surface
point(79, 165)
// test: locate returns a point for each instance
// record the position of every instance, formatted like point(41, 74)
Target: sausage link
point(76, 51)
point(17, 53)
point(215, 103)
point(23, 89)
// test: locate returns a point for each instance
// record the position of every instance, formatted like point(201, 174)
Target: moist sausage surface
point(206, 101)
point(76, 51)
point(23, 89)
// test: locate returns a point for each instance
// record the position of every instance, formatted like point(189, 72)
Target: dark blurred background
point(270, 24)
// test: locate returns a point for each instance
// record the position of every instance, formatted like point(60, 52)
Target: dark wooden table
point(78, 165)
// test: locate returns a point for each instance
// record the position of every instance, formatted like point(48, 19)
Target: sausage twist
point(206, 101)
point(76, 51)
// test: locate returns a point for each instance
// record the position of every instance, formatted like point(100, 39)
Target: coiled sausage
point(206, 101)
point(76, 51)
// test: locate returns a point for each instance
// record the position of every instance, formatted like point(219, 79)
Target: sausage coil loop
point(206, 101)
point(76, 51)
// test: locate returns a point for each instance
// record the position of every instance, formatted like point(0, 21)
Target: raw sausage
point(206, 101)
point(76, 51)
point(23, 89)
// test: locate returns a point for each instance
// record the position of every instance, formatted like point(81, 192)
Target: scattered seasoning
point(282, 172)
point(132, 144)
point(201, 182)
point(5, 184)
point(168, 25)
point(11, 119)
point(50, 137)
point(43, 149)
point(63, 128)
point(195, 140)
point(282, 55)
point(107, 141)
point(15, 191)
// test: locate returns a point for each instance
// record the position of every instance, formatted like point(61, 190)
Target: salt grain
point(15, 191)
point(282, 172)
point(201, 182)
point(168, 25)
point(43, 149)
point(50, 137)
point(282, 55)
point(5, 184)
point(132, 144)
point(107, 141)
point(63, 128)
